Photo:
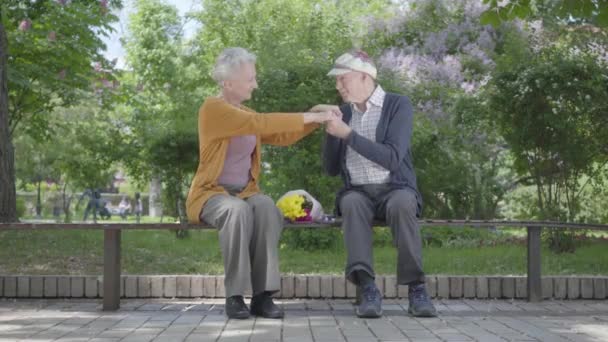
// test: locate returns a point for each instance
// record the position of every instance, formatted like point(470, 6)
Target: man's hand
point(337, 127)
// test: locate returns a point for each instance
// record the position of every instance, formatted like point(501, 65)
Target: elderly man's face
point(243, 82)
point(352, 86)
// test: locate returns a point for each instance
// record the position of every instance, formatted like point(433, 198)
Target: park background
point(510, 103)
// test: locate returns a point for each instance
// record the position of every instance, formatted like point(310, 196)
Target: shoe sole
point(422, 313)
point(239, 316)
point(277, 316)
point(369, 314)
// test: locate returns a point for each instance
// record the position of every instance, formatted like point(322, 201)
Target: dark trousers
point(359, 207)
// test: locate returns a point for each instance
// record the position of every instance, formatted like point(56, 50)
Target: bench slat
point(424, 223)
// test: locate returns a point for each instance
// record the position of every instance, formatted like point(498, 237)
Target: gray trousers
point(359, 207)
point(249, 232)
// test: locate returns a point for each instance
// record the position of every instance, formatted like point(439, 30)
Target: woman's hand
point(325, 108)
point(318, 117)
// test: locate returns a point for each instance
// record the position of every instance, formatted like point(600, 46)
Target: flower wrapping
point(300, 206)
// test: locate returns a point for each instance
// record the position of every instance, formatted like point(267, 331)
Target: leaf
point(490, 17)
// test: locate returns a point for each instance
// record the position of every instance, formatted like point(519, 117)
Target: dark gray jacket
point(391, 150)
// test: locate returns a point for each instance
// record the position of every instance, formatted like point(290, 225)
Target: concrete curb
point(299, 286)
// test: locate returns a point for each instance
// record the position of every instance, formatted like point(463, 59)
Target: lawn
point(160, 252)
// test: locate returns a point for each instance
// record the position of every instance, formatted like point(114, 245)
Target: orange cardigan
point(218, 121)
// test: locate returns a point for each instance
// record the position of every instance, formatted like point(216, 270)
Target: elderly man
point(368, 144)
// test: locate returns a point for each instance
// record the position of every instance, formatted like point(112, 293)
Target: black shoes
point(420, 302)
point(370, 305)
point(236, 308)
point(263, 306)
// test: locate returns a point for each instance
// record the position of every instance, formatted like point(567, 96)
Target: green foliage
point(310, 239)
point(50, 63)
point(551, 112)
point(295, 42)
point(570, 11)
point(20, 207)
point(162, 94)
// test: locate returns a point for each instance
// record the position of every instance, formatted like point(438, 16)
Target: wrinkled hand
point(337, 127)
point(324, 108)
point(318, 117)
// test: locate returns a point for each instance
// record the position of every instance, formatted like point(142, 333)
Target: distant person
point(139, 207)
point(93, 197)
point(124, 207)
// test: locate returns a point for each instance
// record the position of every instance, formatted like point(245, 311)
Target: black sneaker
point(236, 308)
point(420, 303)
point(371, 302)
point(262, 305)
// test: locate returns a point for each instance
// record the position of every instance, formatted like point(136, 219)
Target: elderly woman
point(225, 193)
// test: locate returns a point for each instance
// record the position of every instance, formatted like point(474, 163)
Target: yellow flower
point(291, 206)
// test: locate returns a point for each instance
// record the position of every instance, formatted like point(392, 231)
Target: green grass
point(159, 252)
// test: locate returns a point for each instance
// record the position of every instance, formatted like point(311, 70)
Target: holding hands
point(334, 125)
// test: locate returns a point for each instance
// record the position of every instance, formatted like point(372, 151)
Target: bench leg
point(111, 269)
point(534, 272)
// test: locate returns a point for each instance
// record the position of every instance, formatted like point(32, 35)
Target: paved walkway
point(306, 320)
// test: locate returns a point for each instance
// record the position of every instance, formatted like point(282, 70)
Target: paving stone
point(339, 286)
point(91, 287)
point(456, 287)
point(183, 287)
point(169, 287)
point(220, 289)
point(443, 287)
point(63, 286)
point(156, 286)
point(287, 287)
point(301, 286)
point(599, 288)
point(131, 286)
point(508, 287)
point(144, 286)
point(209, 286)
point(390, 286)
point(482, 287)
point(351, 290)
point(547, 287)
point(196, 286)
point(431, 287)
point(560, 287)
point(380, 283)
point(587, 288)
point(10, 286)
point(314, 286)
point(76, 287)
point(468, 287)
point(36, 286)
point(326, 286)
point(574, 287)
point(23, 286)
point(521, 287)
point(494, 287)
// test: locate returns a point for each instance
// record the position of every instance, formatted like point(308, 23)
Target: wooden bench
point(112, 244)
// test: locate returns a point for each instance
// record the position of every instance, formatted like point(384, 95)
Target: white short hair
point(228, 61)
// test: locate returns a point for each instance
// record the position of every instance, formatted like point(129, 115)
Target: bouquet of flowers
point(300, 206)
point(295, 208)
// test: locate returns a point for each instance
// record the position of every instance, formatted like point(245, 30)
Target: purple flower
point(25, 25)
point(52, 36)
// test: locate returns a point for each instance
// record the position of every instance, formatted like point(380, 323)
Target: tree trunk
point(39, 201)
point(8, 196)
point(155, 208)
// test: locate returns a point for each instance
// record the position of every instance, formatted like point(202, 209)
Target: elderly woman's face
point(242, 83)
